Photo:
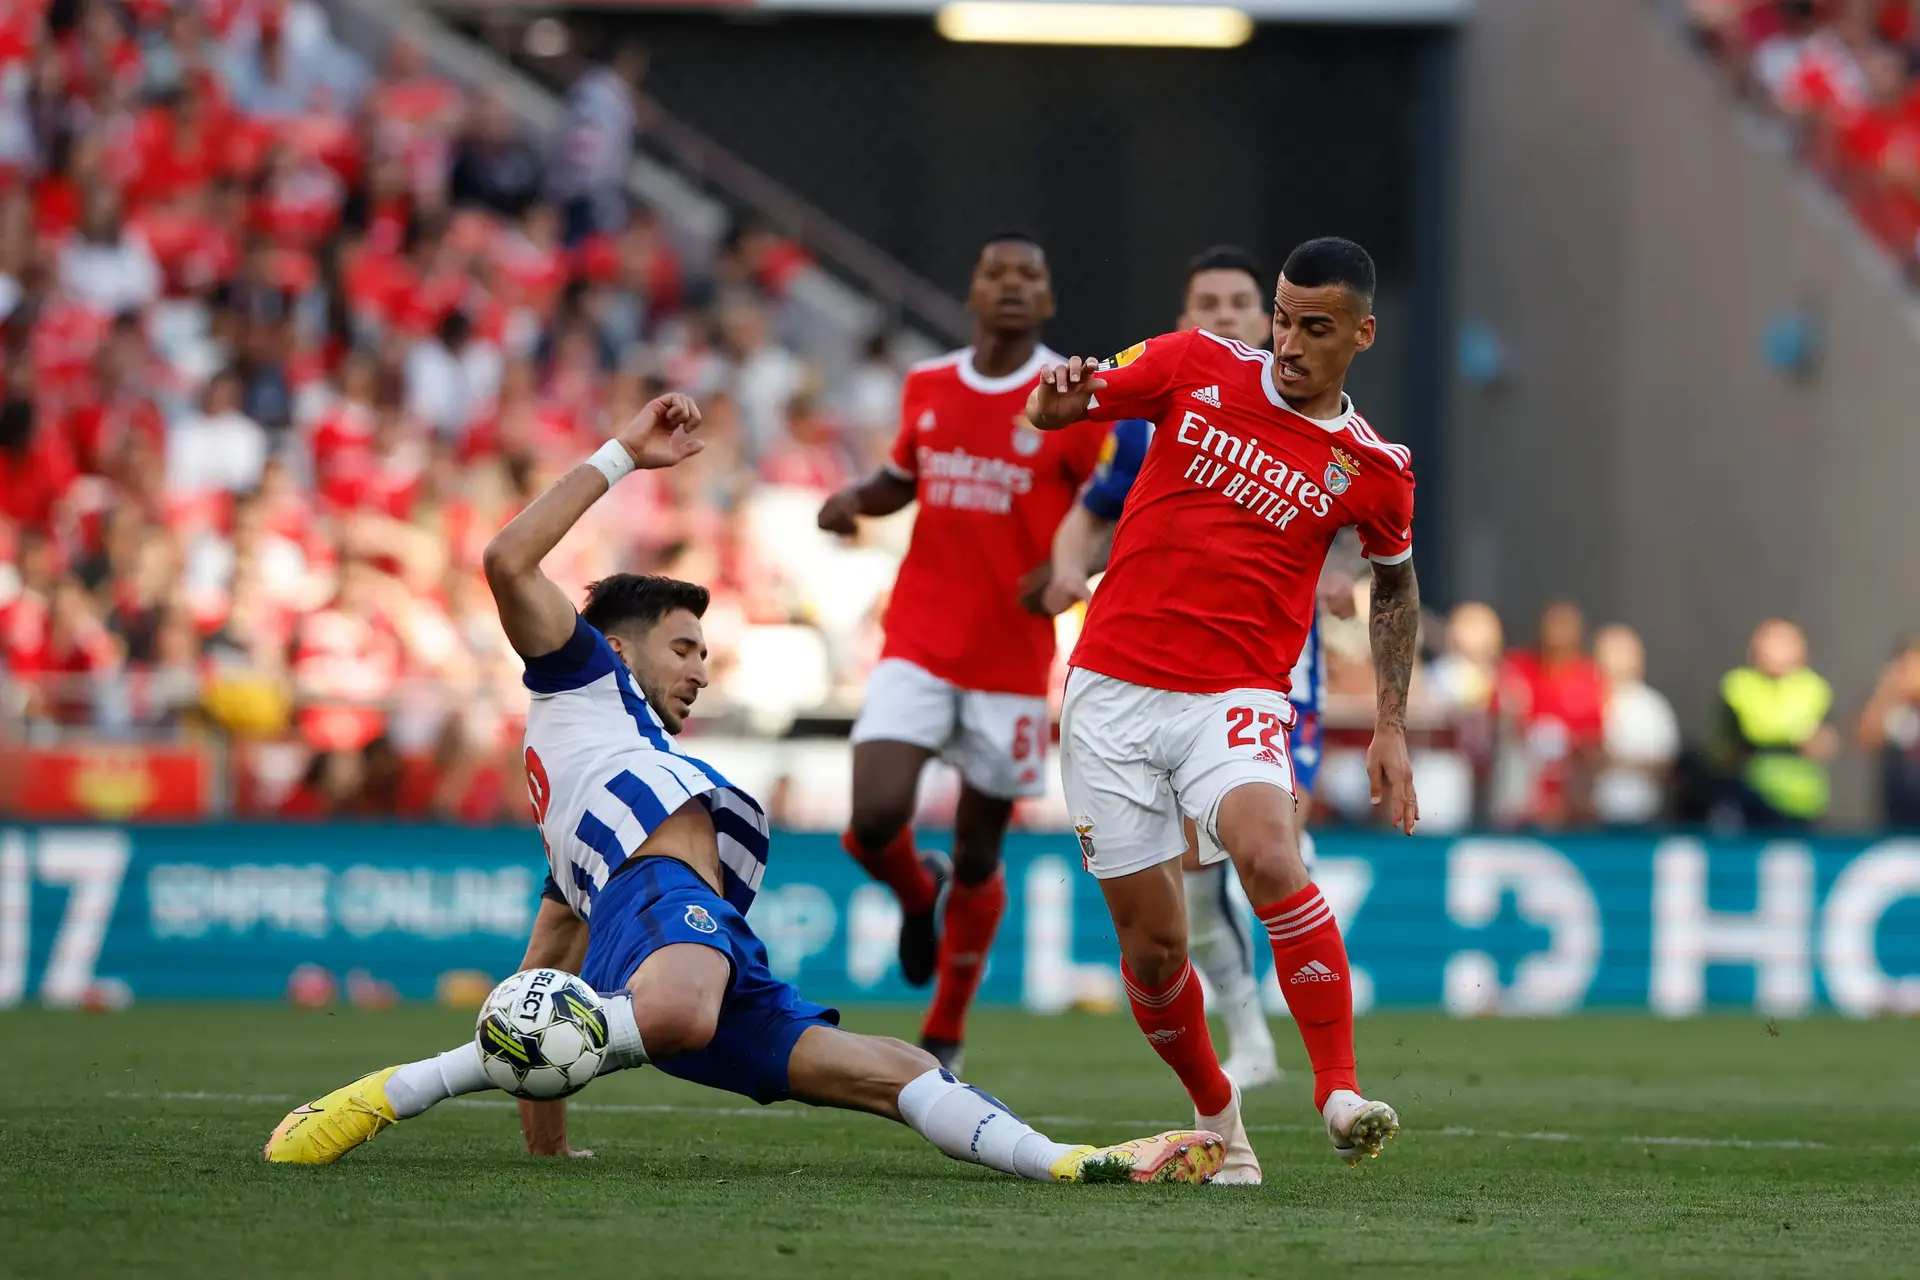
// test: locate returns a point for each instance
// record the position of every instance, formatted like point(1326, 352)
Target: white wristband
point(612, 461)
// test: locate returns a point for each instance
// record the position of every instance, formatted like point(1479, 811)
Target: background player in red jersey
point(964, 670)
point(1178, 700)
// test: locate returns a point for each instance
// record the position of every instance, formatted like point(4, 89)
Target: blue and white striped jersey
point(603, 773)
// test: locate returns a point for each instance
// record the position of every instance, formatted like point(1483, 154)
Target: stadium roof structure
point(1391, 12)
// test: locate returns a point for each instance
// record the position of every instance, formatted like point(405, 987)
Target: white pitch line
point(1636, 1140)
point(634, 1108)
point(1451, 1131)
point(198, 1096)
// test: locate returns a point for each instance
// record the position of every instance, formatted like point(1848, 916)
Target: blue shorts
point(650, 903)
point(1303, 744)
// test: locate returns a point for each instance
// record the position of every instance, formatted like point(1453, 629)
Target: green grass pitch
point(130, 1146)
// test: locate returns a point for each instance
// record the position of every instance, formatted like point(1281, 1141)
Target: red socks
point(1174, 1018)
point(966, 936)
point(1310, 959)
point(897, 866)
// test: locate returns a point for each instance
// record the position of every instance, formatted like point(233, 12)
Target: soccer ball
point(542, 1034)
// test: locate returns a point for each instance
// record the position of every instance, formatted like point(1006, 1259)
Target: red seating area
point(1843, 74)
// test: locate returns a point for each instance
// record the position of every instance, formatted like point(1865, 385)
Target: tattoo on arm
point(1394, 627)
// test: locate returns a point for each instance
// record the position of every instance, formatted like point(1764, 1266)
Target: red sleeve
point(1386, 531)
point(904, 458)
point(1140, 379)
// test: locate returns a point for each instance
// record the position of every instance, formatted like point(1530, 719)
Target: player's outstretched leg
point(1164, 993)
point(976, 903)
point(886, 1077)
point(1222, 949)
point(886, 776)
point(1310, 959)
point(325, 1129)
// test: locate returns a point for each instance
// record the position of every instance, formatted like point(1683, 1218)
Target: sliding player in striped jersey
point(654, 859)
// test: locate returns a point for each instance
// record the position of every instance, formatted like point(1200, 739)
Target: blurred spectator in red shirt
point(346, 660)
point(758, 257)
point(174, 149)
point(78, 649)
point(415, 115)
point(36, 463)
point(26, 596)
point(811, 453)
point(119, 404)
point(382, 473)
point(99, 53)
point(1554, 697)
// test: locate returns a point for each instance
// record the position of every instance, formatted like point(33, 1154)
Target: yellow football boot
point(1179, 1155)
point(329, 1127)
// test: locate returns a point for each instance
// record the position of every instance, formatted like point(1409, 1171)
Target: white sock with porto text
point(976, 1127)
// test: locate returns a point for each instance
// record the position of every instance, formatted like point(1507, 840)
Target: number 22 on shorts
point(1240, 722)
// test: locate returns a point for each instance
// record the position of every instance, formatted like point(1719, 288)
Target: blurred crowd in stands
point(284, 336)
point(1566, 732)
point(1845, 74)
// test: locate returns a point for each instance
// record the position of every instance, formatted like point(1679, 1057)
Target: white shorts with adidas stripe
point(1134, 760)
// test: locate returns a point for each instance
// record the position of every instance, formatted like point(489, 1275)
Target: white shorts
point(998, 741)
point(1135, 759)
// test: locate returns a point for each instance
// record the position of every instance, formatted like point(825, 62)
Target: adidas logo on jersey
point(1314, 971)
point(1208, 396)
point(1267, 756)
point(926, 422)
point(1165, 1035)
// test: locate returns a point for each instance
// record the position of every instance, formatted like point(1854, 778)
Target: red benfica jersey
point(1217, 556)
point(992, 490)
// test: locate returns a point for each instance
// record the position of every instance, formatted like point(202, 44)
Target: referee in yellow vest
point(1775, 739)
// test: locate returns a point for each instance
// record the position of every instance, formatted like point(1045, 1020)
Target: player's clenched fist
point(1063, 393)
point(841, 513)
point(1047, 592)
point(661, 434)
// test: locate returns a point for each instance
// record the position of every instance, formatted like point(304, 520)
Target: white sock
point(1222, 947)
point(419, 1085)
point(975, 1127)
point(623, 1036)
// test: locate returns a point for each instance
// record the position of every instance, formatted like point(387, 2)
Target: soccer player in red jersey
point(1177, 703)
point(964, 671)
point(1225, 296)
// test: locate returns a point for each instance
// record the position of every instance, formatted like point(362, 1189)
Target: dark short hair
point(1331, 260)
point(1224, 257)
point(1013, 235)
point(626, 599)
